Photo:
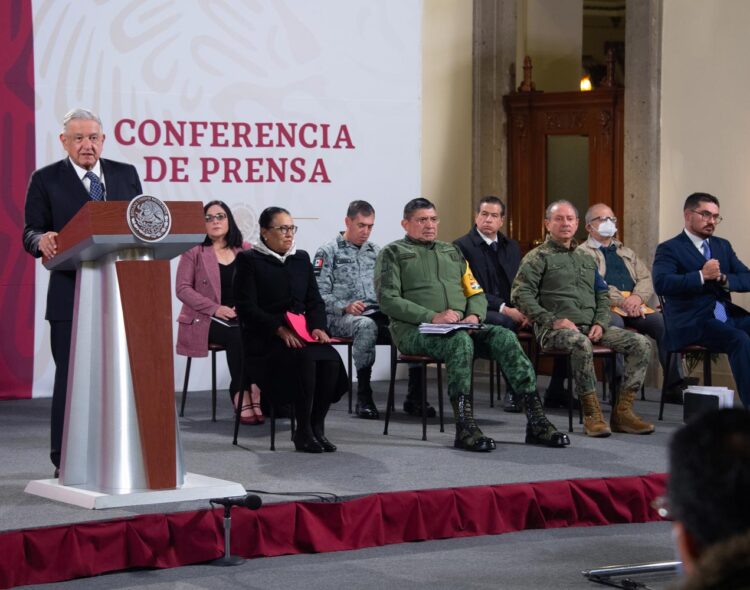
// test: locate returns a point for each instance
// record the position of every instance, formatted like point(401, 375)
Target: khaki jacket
point(639, 272)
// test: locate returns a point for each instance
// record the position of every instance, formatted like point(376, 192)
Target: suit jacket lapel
point(211, 266)
point(72, 185)
point(692, 251)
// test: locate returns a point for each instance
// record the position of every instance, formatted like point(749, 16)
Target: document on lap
point(620, 311)
point(298, 324)
point(425, 328)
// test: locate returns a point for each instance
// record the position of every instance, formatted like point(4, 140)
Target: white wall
point(705, 122)
point(551, 32)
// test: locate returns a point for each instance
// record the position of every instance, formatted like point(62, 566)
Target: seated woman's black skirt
point(279, 371)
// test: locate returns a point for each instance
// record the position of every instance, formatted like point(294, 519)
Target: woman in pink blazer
point(204, 285)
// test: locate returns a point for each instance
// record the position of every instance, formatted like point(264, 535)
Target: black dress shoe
point(57, 472)
point(554, 398)
point(304, 443)
point(367, 410)
point(414, 408)
point(327, 445)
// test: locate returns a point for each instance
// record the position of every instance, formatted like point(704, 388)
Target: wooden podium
point(121, 434)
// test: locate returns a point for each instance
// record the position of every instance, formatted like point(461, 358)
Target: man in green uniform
point(419, 279)
point(560, 290)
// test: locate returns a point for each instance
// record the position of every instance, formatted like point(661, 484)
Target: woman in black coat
point(272, 279)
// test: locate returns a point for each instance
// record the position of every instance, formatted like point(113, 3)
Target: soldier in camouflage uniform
point(344, 270)
point(559, 288)
point(420, 279)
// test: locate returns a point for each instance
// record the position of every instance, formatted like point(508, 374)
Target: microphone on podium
point(250, 501)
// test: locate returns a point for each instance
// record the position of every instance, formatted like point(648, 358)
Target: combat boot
point(623, 418)
point(593, 421)
point(468, 435)
point(365, 406)
point(539, 430)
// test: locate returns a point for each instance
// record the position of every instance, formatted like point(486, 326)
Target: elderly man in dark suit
point(55, 194)
point(494, 260)
point(696, 271)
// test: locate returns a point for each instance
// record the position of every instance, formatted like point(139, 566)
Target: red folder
point(298, 324)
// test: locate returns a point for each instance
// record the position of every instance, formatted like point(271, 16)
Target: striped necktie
point(95, 188)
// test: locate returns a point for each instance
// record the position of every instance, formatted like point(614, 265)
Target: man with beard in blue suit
point(55, 194)
point(695, 272)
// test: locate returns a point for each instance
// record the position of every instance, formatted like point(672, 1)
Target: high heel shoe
point(305, 443)
point(250, 417)
point(255, 404)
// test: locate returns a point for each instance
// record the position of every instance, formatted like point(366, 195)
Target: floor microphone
point(250, 501)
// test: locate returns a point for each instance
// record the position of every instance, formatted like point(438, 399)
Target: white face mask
point(607, 228)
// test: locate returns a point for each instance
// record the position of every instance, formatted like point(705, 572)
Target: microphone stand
point(228, 558)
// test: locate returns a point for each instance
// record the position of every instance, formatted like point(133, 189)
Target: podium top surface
point(101, 228)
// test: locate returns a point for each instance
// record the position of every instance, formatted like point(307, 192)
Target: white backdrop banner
point(304, 104)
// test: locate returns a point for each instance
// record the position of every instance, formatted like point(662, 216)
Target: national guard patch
point(470, 284)
point(318, 265)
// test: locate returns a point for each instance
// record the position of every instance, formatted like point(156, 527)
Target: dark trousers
point(732, 338)
point(60, 332)
point(318, 380)
point(231, 339)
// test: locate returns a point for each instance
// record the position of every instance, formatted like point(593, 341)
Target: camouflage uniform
point(414, 281)
point(345, 274)
point(555, 282)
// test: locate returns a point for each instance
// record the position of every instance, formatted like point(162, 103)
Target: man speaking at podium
point(55, 194)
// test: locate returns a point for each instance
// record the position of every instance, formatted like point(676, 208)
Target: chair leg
point(237, 413)
point(391, 387)
point(185, 386)
point(424, 401)
point(440, 396)
point(492, 384)
point(272, 408)
point(213, 388)
point(707, 369)
point(349, 367)
point(613, 376)
point(664, 385)
point(569, 372)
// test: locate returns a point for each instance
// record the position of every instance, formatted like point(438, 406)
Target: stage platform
point(367, 464)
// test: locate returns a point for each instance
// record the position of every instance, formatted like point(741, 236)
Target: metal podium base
point(195, 487)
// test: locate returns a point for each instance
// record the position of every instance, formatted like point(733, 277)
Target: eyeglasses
point(218, 217)
point(426, 220)
point(285, 229)
point(708, 216)
point(612, 219)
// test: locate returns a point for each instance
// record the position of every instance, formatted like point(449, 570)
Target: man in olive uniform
point(419, 279)
point(559, 289)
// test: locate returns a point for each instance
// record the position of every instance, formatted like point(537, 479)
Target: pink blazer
point(198, 286)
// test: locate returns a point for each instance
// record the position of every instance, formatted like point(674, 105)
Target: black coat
point(495, 272)
point(54, 196)
point(264, 290)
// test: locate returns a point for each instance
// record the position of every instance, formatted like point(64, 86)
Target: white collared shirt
point(97, 169)
point(488, 241)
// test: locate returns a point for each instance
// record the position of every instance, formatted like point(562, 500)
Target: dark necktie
point(493, 245)
point(720, 312)
point(96, 191)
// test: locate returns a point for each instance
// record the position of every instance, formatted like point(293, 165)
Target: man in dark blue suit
point(55, 194)
point(696, 271)
point(494, 260)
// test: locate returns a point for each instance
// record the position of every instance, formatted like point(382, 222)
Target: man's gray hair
point(557, 203)
point(81, 114)
point(589, 215)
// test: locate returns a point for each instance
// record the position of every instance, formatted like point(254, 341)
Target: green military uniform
point(414, 281)
point(555, 282)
